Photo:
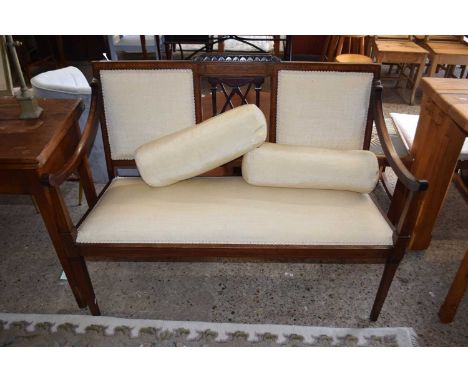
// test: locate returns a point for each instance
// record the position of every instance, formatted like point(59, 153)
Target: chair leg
point(80, 192)
point(80, 271)
point(416, 82)
point(387, 278)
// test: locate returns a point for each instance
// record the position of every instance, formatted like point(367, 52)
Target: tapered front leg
point(387, 278)
point(81, 273)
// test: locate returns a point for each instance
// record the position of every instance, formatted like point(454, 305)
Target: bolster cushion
point(201, 148)
point(277, 165)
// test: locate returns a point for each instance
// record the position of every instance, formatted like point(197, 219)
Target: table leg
point(43, 201)
point(417, 80)
point(455, 294)
point(432, 67)
point(436, 148)
point(76, 262)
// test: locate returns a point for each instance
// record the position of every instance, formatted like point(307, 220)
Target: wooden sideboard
point(441, 132)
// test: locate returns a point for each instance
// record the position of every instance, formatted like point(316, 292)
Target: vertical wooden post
point(455, 293)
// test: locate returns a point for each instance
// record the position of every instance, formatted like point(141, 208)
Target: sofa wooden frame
point(74, 255)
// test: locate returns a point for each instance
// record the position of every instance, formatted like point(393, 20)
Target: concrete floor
point(302, 294)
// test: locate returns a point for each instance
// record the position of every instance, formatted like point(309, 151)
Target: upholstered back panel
point(322, 109)
point(142, 105)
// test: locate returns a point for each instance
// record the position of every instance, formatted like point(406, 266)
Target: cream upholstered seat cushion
point(201, 148)
point(230, 211)
point(278, 165)
point(406, 125)
point(142, 105)
point(322, 109)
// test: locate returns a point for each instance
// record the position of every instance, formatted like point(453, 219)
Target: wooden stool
point(354, 58)
point(352, 49)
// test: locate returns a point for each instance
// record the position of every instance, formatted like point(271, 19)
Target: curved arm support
point(84, 145)
point(403, 174)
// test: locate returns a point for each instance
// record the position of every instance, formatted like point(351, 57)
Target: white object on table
point(70, 82)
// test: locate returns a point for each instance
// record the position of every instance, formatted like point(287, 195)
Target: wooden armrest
point(84, 145)
point(403, 174)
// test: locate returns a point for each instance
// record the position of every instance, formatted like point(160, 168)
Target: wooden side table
point(446, 53)
point(402, 52)
point(441, 132)
point(31, 148)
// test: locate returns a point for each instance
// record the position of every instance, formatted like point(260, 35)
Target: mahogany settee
point(211, 218)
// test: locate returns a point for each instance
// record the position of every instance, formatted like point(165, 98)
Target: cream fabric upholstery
point(406, 125)
point(142, 105)
point(278, 165)
point(201, 148)
point(322, 109)
point(230, 211)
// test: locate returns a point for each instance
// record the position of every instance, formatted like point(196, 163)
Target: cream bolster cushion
point(201, 148)
point(277, 165)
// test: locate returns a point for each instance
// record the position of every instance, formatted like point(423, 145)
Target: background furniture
point(70, 83)
point(133, 44)
point(447, 51)
point(402, 52)
point(29, 149)
point(406, 125)
point(348, 49)
point(206, 44)
point(440, 135)
point(305, 48)
point(171, 41)
point(39, 53)
point(456, 292)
